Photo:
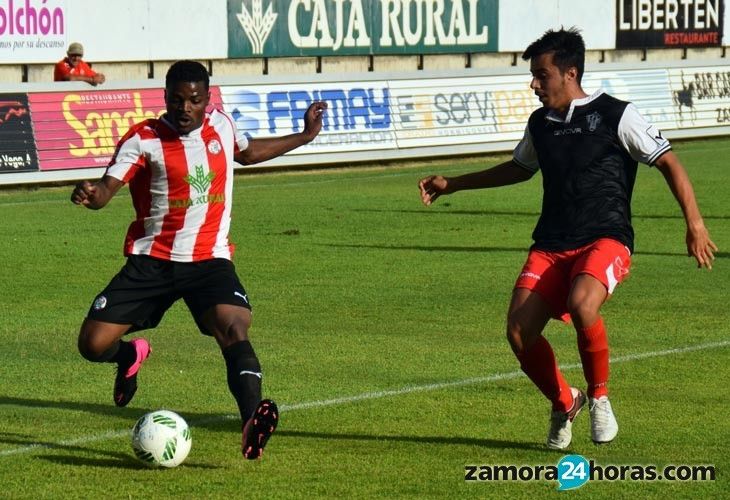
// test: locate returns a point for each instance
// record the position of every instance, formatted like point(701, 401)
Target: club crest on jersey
point(214, 147)
point(594, 120)
point(99, 303)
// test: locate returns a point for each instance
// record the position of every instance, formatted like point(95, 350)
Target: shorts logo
point(619, 268)
point(243, 296)
point(214, 147)
point(99, 303)
point(530, 275)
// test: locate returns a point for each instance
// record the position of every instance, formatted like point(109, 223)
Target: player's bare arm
point(259, 150)
point(503, 174)
point(96, 195)
point(699, 244)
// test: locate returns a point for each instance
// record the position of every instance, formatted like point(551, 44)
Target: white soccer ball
point(161, 439)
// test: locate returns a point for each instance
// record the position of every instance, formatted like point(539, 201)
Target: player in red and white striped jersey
point(180, 174)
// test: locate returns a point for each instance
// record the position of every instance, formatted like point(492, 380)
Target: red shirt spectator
point(73, 68)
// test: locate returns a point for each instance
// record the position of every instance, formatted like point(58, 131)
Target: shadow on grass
point(486, 443)
point(210, 421)
point(127, 462)
point(431, 248)
point(445, 210)
point(114, 460)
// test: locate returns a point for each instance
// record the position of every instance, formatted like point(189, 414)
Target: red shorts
point(551, 274)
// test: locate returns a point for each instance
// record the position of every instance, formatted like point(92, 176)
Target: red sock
point(593, 348)
point(539, 364)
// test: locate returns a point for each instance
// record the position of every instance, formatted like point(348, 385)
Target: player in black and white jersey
point(587, 148)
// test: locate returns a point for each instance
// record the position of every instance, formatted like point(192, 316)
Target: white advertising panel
point(648, 89)
point(522, 22)
point(39, 31)
point(371, 118)
point(33, 30)
point(359, 117)
point(450, 111)
point(701, 96)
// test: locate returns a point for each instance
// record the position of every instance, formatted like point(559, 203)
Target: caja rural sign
point(274, 28)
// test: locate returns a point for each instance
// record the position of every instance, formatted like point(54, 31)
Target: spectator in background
point(73, 69)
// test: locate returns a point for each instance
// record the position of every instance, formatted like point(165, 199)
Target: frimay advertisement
point(276, 28)
point(81, 129)
point(669, 23)
point(18, 152)
point(358, 118)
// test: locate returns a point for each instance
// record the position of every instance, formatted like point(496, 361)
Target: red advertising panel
point(80, 129)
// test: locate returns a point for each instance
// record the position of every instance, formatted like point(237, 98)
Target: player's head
point(186, 95)
point(557, 60)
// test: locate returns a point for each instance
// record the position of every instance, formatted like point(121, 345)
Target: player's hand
point(432, 187)
point(313, 120)
point(700, 246)
point(83, 192)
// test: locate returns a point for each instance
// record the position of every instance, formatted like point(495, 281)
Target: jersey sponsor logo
point(214, 147)
point(99, 303)
point(594, 120)
point(200, 182)
point(200, 200)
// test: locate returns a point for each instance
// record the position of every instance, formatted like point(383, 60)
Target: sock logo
point(246, 372)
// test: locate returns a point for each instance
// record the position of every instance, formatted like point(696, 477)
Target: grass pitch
point(380, 327)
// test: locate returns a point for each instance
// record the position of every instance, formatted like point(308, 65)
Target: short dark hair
point(186, 71)
point(567, 46)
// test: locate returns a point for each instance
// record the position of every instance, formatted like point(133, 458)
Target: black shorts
point(146, 287)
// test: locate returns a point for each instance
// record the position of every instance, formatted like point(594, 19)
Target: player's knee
point(91, 349)
point(515, 335)
point(582, 312)
point(88, 352)
point(237, 331)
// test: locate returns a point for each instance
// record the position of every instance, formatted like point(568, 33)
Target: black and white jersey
point(588, 162)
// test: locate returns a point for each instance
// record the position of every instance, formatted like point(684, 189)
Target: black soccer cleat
point(259, 428)
point(125, 383)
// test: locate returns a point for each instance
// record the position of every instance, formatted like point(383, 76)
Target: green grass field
point(380, 326)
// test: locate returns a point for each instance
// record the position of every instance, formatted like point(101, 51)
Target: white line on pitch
point(374, 395)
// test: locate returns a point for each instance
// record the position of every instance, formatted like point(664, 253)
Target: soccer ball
point(161, 439)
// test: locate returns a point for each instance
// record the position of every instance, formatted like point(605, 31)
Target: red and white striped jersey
point(181, 187)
